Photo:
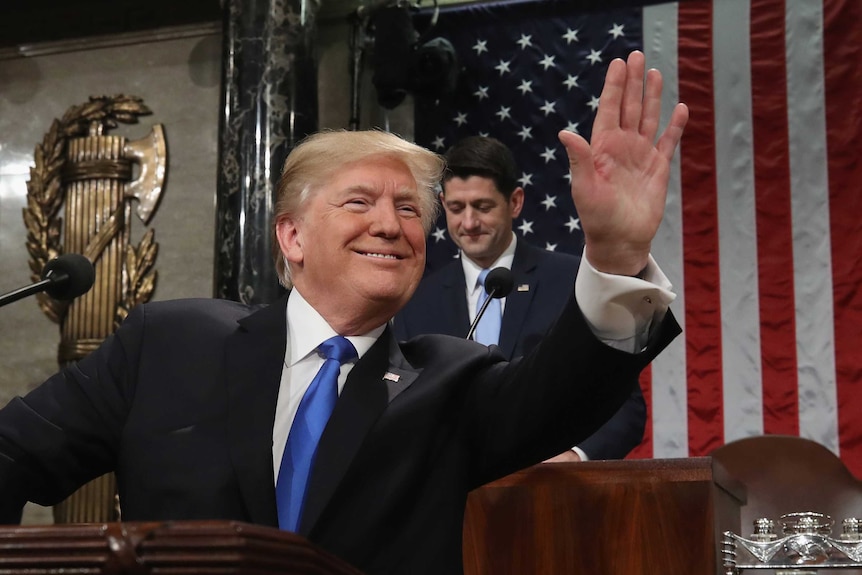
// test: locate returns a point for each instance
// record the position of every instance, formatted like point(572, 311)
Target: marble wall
point(177, 72)
point(178, 77)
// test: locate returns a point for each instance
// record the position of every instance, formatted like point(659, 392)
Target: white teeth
point(385, 256)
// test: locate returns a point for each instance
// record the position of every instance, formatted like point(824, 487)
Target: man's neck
point(345, 320)
point(492, 263)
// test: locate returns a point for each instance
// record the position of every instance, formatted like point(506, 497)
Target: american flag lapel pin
point(524, 287)
point(394, 377)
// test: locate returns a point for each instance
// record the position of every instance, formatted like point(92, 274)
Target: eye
point(356, 204)
point(454, 209)
point(408, 209)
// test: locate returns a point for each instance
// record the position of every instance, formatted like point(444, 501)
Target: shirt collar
point(472, 269)
point(307, 329)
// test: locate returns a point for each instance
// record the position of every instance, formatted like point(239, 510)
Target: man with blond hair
point(210, 409)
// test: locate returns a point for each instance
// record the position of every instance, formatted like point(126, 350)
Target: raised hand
point(619, 180)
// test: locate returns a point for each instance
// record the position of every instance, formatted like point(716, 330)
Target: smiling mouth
point(381, 256)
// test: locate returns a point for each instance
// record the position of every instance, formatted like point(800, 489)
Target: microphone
point(498, 283)
point(64, 277)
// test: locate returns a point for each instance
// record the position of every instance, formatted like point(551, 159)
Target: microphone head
point(70, 275)
point(499, 282)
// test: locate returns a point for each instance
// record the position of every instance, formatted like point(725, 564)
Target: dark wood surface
point(603, 518)
point(591, 518)
point(199, 547)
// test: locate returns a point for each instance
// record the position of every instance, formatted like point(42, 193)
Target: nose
point(385, 221)
point(471, 221)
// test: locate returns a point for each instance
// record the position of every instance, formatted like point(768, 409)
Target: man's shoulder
point(200, 305)
point(550, 256)
point(545, 257)
point(428, 349)
point(447, 271)
point(436, 279)
point(423, 313)
point(202, 311)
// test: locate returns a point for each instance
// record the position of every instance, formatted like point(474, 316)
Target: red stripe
point(843, 92)
point(700, 231)
point(774, 221)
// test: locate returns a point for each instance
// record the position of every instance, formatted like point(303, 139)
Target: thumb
point(579, 152)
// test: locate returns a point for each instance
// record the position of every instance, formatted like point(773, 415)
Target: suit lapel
point(454, 304)
point(254, 356)
point(375, 380)
point(518, 302)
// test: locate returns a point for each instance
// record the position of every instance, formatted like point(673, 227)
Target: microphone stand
point(37, 287)
point(481, 312)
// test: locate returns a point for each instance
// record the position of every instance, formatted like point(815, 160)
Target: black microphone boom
point(498, 283)
point(65, 277)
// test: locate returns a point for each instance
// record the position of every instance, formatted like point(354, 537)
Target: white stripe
point(809, 185)
point(669, 391)
point(737, 236)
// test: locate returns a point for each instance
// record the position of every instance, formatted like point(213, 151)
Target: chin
point(475, 254)
point(383, 294)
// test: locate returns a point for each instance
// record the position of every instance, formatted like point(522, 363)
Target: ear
point(289, 239)
point(516, 202)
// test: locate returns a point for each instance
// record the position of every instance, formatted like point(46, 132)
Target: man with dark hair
point(307, 414)
point(481, 199)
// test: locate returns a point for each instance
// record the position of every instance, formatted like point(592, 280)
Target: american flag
point(762, 234)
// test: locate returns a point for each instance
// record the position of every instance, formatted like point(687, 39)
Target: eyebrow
point(480, 202)
point(400, 194)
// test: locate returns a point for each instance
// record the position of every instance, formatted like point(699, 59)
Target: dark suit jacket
point(181, 403)
point(544, 282)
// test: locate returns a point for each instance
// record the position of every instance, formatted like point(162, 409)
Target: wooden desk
point(662, 516)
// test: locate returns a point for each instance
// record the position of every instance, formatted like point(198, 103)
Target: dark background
point(29, 21)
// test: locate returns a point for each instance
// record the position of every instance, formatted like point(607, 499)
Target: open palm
point(619, 180)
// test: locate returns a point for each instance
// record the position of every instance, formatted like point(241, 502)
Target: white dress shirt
point(471, 276)
point(306, 329)
point(621, 309)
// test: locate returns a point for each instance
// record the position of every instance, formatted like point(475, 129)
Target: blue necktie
point(488, 330)
point(311, 417)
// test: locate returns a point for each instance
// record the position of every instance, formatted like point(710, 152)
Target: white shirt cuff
point(620, 309)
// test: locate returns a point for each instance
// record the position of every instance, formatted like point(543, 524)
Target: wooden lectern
point(603, 518)
point(173, 548)
point(592, 518)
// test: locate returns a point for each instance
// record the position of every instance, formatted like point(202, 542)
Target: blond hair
point(318, 157)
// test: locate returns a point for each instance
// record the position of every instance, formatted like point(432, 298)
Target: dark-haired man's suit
point(544, 281)
point(181, 403)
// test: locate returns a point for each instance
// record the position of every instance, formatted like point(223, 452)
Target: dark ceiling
point(30, 21)
point(25, 22)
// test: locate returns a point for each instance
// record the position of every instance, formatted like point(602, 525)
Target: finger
point(673, 133)
point(608, 114)
point(651, 106)
point(580, 157)
point(633, 92)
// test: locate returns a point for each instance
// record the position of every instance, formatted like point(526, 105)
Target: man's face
point(479, 218)
point(357, 246)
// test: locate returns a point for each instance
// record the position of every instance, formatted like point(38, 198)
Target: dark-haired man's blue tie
point(488, 329)
point(311, 417)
